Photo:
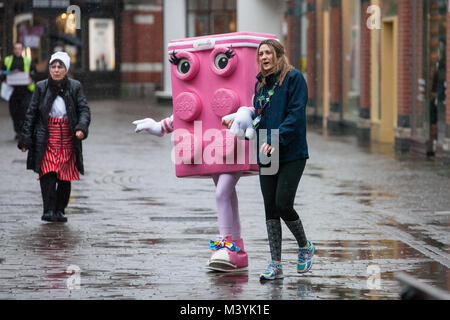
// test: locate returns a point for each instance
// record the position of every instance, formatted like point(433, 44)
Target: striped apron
point(60, 156)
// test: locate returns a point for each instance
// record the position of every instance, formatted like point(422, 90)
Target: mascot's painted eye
point(186, 63)
point(183, 66)
point(221, 61)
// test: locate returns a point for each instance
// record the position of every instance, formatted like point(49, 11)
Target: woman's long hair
point(282, 64)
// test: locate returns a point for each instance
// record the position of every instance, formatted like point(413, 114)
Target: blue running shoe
point(273, 271)
point(305, 256)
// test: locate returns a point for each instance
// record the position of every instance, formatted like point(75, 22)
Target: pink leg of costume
point(226, 259)
point(227, 204)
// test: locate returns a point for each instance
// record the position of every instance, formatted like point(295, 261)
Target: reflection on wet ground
point(137, 232)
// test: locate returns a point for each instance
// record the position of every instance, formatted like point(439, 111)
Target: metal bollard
point(412, 289)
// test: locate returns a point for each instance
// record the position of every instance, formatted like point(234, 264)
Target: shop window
point(428, 117)
point(210, 17)
point(2, 31)
point(323, 54)
point(66, 38)
point(32, 31)
point(45, 32)
point(351, 22)
point(304, 37)
point(102, 51)
point(389, 8)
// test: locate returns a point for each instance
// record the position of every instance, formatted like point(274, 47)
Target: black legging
point(279, 190)
point(55, 192)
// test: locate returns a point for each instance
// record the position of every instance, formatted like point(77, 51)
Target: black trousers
point(18, 105)
point(279, 190)
point(55, 192)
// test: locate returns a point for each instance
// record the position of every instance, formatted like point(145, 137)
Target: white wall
point(174, 28)
point(263, 16)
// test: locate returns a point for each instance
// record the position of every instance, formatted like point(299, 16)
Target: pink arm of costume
point(167, 124)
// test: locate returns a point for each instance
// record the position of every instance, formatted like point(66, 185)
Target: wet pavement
point(136, 231)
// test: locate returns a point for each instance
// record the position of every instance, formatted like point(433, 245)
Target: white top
point(58, 108)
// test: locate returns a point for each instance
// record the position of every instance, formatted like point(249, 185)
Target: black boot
point(62, 199)
point(48, 216)
point(60, 217)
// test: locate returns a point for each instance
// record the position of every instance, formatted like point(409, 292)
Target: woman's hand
point(227, 123)
point(79, 134)
point(266, 149)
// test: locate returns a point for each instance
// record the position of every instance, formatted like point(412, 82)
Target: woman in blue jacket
point(279, 104)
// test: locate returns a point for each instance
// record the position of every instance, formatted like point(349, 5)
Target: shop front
point(428, 81)
point(86, 30)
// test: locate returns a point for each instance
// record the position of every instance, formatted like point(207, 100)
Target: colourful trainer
point(305, 256)
point(273, 271)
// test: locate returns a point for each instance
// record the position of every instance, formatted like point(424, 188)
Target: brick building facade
point(116, 52)
point(141, 48)
point(377, 68)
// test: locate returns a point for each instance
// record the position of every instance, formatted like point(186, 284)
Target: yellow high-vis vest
point(26, 68)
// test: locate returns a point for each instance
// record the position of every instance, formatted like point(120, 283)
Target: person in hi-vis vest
point(21, 96)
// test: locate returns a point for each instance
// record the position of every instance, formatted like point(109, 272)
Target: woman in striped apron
point(57, 120)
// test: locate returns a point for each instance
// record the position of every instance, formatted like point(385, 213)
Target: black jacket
point(285, 112)
point(35, 132)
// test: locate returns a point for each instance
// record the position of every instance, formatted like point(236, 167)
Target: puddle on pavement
point(78, 210)
point(309, 171)
point(339, 271)
point(146, 201)
point(181, 219)
point(200, 210)
point(417, 232)
point(365, 194)
point(21, 161)
point(349, 260)
point(314, 175)
point(127, 189)
point(75, 196)
point(202, 230)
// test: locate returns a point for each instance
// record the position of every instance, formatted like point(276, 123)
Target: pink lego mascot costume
point(213, 76)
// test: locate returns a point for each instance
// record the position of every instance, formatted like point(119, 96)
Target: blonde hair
point(282, 64)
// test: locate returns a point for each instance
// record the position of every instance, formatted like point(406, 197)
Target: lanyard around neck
point(264, 101)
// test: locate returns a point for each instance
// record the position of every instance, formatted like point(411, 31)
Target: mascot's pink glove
point(242, 126)
point(154, 128)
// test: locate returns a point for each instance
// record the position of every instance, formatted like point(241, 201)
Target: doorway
point(387, 113)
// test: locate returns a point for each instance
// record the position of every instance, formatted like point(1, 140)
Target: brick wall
point(364, 122)
point(141, 47)
point(290, 37)
point(311, 53)
point(334, 116)
point(405, 59)
point(447, 119)
point(335, 47)
point(365, 59)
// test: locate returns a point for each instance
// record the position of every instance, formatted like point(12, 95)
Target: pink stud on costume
point(213, 76)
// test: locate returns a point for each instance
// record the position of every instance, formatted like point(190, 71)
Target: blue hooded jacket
point(286, 111)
